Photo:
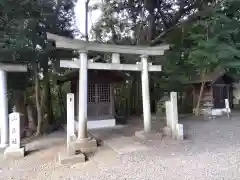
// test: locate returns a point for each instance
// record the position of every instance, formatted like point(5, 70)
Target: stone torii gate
point(4, 68)
point(83, 64)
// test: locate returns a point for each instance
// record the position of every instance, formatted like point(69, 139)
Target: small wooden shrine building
point(101, 110)
point(218, 87)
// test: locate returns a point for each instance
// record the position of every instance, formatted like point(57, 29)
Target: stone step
point(14, 153)
point(78, 151)
point(65, 158)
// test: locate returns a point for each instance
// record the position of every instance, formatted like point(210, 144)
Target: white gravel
point(211, 151)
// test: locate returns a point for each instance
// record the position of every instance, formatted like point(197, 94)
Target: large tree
point(23, 30)
point(57, 18)
point(143, 20)
point(139, 22)
point(204, 34)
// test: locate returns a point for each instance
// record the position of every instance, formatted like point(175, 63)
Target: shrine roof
point(94, 75)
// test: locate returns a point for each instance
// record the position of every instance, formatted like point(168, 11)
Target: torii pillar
point(4, 68)
point(83, 96)
point(146, 94)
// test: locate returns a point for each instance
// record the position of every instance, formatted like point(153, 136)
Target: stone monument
point(14, 150)
point(173, 129)
point(70, 156)
point(228, 110)
point(70, 118)
point(179, 132)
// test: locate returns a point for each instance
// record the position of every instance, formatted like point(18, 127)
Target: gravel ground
point(211, 151)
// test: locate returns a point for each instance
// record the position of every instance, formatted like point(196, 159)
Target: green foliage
point(208, 43)
point(23, 27)
point(140, 22)
point(16, 17)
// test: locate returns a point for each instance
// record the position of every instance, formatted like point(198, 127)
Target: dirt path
point(212, 151)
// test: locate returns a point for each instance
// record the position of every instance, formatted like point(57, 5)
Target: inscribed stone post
point(227, 107)
point(14, 130)
point(227, 104)
point(173, 99)
point(14, 149)
point(169, 128)
point(70, 156)
point(70, 117)
point(168, 114)
point(179, 130)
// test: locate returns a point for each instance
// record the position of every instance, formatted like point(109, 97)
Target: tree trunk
point(31, 122)
point(38, 101)
point(197, 109)
point(47, 104)
point(18, 100)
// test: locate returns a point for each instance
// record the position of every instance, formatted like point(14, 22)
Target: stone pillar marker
point(70, 156)
point(173, 129)
point(146, 95)
point(3, 109)
point(179, 130)
point(169, 120)
point(14, 130)
point(173, 98)
point(174, 111)
point(70, 118)
point(14, 150)
point(228, 110)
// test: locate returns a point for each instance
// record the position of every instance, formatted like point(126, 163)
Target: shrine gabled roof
point(74, 73)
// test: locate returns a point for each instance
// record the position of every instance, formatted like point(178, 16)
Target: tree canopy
point(204, 35)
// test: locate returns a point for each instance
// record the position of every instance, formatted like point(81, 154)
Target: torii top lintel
point(67, 43)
